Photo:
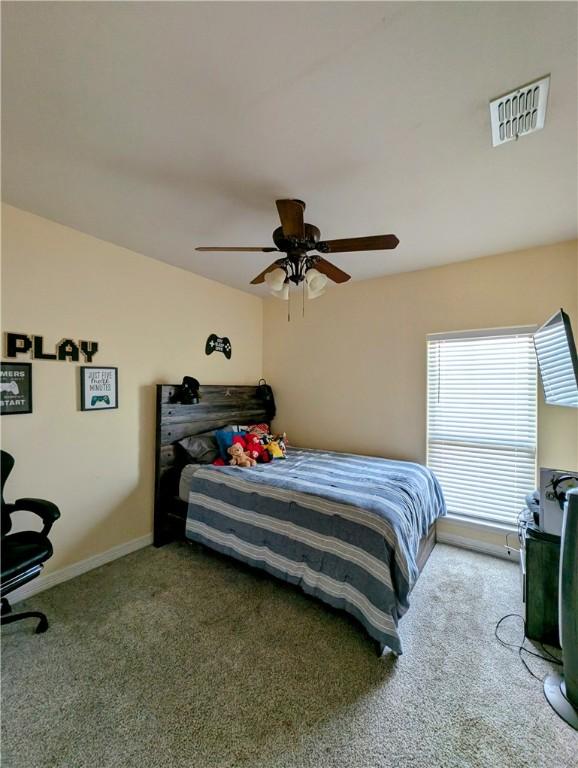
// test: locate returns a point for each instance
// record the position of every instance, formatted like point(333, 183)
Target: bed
point(353, 531)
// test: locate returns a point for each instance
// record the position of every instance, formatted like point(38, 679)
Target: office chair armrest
point(46, 510)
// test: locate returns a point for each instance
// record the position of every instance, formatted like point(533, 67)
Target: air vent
point(519, 112)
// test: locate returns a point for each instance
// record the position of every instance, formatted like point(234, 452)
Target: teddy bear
point(238, 456)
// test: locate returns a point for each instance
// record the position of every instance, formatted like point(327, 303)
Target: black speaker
point(562, 690)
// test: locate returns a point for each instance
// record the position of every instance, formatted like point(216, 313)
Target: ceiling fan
point(296, 239)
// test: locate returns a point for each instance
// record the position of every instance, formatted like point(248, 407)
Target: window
point(482, 421)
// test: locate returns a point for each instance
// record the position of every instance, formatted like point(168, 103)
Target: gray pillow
point(200, 449)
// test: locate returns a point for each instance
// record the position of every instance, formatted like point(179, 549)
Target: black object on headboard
point(218, 406)
point(265, 394)
point(187, 393)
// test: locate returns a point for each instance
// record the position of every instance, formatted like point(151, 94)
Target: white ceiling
point(161, 126)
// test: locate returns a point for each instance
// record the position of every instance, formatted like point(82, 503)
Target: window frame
point(471, 520)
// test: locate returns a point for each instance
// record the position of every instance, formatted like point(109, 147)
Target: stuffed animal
point(283, 442)
point(261, 430)
point(238, 456)
point(274, 450)
point(276, 446)
point(255, 448)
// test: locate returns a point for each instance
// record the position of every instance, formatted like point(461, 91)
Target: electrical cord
point(522, 649)
point(507, 546)
point(553, 658)
point(521, 525)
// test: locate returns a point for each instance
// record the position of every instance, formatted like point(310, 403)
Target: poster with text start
point(15, 388)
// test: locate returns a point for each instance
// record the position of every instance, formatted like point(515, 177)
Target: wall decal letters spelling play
point(218, 344)
point(67, 349)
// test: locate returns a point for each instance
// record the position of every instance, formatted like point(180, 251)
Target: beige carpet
point(177, 657)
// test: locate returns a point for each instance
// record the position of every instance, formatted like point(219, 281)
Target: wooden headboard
point(218, 406)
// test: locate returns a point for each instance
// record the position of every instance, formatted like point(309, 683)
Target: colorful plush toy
point(283, 442)
point(255, 448)
point(277, 446)
point(261, 430)
point(238, 456)
point(274, 450)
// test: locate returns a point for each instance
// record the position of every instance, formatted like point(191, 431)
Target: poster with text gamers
point(15, 388)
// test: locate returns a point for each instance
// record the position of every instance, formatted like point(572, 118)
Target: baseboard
point(485, 547)
point(76, 569)
point(83, 566)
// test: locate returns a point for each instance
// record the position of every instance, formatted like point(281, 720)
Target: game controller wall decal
point(218, 344)
point(98, 388)
point(15, 388)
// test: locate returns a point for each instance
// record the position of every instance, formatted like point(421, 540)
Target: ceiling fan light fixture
point(316, 282)
point(314, 294)
point(283, 293)
point(276, 279)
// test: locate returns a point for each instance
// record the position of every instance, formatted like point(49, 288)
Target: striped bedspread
point(343, 527)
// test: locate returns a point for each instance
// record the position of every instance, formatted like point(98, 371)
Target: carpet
point(179, 657)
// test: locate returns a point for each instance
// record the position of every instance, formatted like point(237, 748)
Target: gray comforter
point(343, 527)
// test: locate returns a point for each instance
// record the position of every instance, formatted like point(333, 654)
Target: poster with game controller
point(98, 388)
point(15, 388)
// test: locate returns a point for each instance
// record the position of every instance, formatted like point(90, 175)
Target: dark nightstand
point(540, 561)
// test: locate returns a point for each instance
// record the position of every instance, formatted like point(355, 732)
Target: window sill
point(481, 536)
point(481, 525)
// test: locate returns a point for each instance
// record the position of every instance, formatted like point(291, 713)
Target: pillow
point(225, 439)
point(200, 449)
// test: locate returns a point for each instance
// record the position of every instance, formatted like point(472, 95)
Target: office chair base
point(10, 618)
point(6, 607)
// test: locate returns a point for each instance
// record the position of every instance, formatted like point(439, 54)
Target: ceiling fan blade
point(261, 276)
point(372, 243)
point(291, 215)
point(252, 250)
point(332, 272)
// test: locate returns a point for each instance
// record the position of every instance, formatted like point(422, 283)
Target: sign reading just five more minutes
point(26, 344)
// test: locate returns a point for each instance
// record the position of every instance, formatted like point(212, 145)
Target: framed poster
point(15, 388)
point(98, 388)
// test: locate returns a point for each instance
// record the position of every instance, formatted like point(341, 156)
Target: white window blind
point(482, 421)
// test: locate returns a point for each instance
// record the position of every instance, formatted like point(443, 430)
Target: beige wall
point(351, 375)
point(151, 320)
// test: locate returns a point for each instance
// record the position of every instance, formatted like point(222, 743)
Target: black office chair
point(23, 553)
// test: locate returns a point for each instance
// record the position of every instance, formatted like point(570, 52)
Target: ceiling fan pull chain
point(289, 306)
point(303, 294)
